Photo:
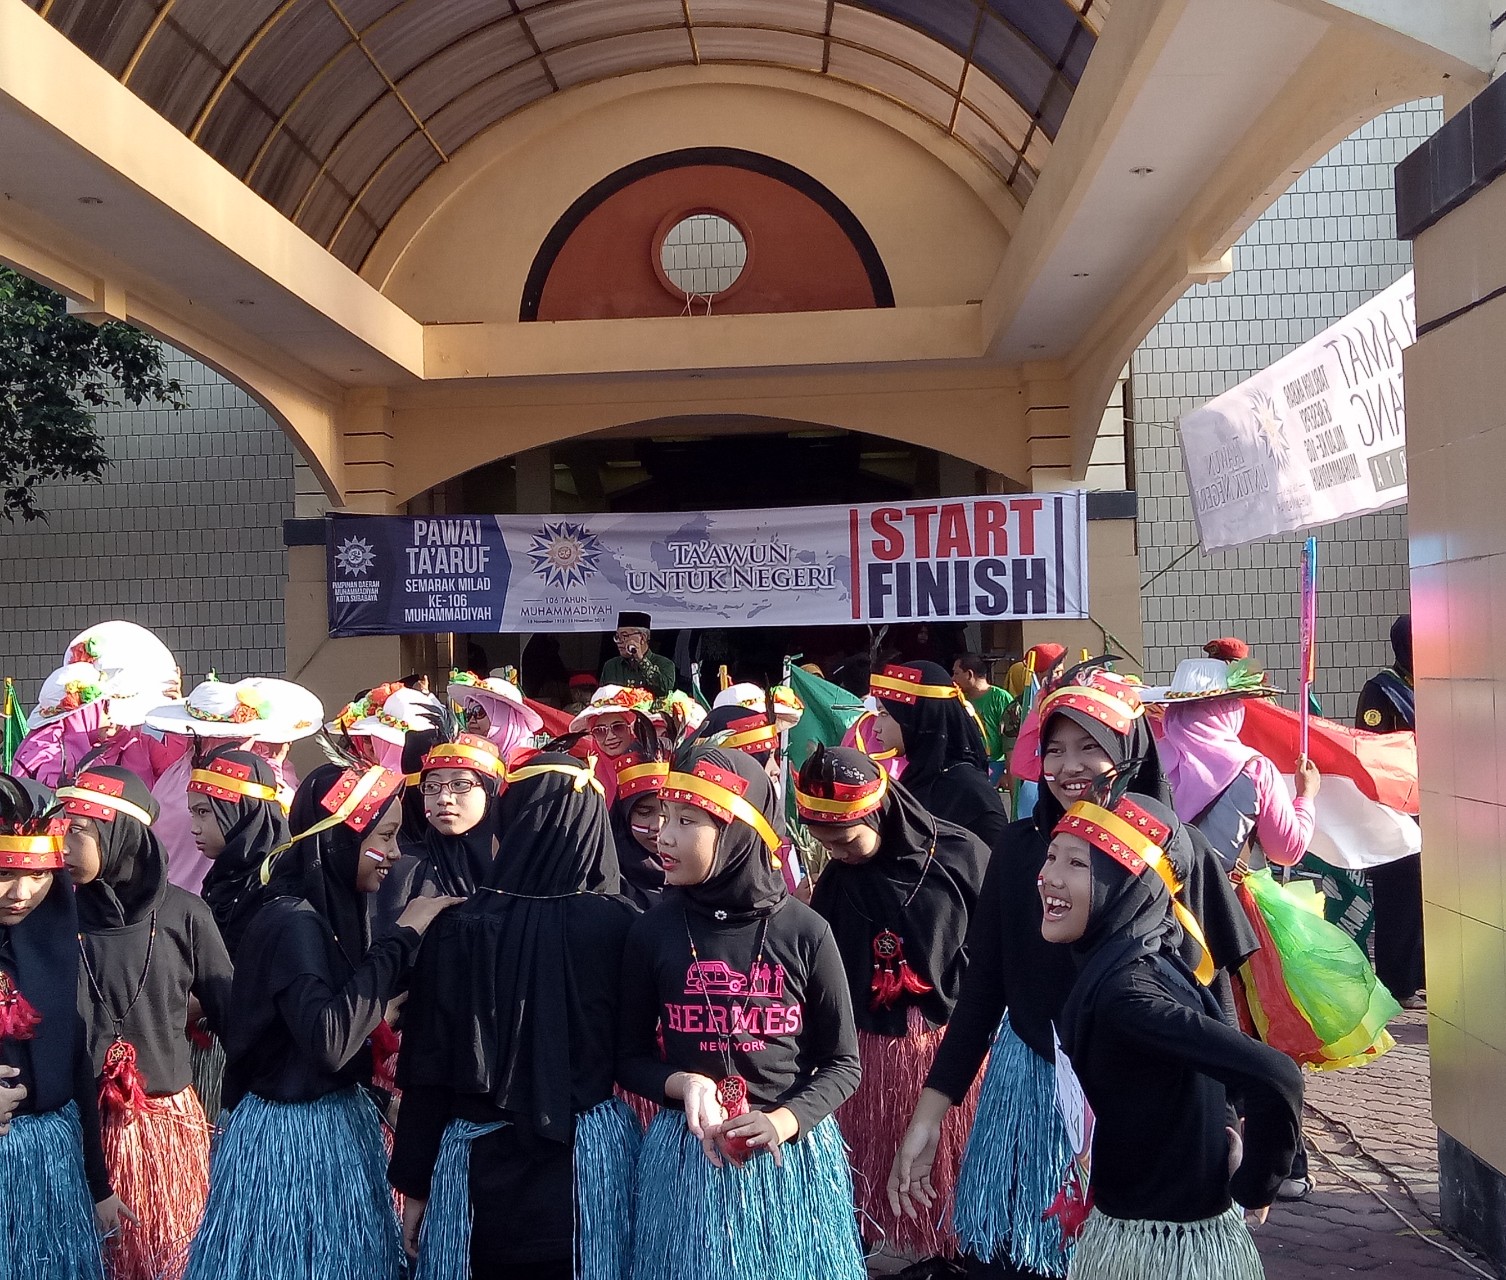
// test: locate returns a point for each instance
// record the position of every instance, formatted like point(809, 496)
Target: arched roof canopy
point(336, 110)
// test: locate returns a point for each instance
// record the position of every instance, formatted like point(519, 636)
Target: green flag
point(15, 723)
point(829, 713)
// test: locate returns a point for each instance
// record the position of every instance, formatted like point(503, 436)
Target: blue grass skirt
point(760, 1222)
point(298, 1190)
point(606, 1147)
point(1014, 1162)
point(46, 1213)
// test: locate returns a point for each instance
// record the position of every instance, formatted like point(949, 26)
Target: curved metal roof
point(336, 110)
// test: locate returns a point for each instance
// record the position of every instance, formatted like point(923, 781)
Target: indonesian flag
point(1368, 803)
point(556, 723)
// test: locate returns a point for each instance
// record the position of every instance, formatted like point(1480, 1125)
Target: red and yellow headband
point(1111, 702)
point(903, 684)
point(467, 752)
point(231, 780)
point(848, 802)
point(93, 795)
point(1136, 840)
point(637, 776)
point(37, 850)
point(755, 734)
point(355, 800)
point(718, 792)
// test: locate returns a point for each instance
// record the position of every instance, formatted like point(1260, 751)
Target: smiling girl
point(149, 949)
point(458, 784)
point(743, 1174)
point(310, 988)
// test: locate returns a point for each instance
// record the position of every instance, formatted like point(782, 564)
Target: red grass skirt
point(640, 1107)
point(874, 1121)
point(159, 1165)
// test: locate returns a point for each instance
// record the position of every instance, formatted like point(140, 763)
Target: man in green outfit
point(634, 664)
point(970, 674)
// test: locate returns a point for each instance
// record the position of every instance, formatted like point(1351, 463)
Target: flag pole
point(1309, 633)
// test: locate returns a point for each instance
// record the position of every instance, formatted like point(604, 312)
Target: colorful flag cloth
point(1366, 810)
point(556, 723)
point(15, 724)
point(829, 712)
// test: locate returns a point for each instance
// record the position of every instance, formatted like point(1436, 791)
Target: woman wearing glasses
point(458, 784)
point(608, 721)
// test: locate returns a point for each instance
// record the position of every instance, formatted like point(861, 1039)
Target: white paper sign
point(1319, 436)
point(1072, 1102)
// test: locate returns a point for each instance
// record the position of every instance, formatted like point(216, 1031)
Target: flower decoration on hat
point(625, 698)
point(83, 651)
point(721, 793)
point(243, 704)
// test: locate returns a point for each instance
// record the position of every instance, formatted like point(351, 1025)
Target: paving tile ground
point(1372, 1135)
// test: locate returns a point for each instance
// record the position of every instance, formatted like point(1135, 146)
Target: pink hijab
point(53, 749)
point(1201, 751)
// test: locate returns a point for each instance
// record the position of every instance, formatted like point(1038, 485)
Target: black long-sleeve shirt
point(962, 793)
point(188, 957)
point(300, 1014)
point(1160, 1075)
point(1010, 968)
point(787, 1024)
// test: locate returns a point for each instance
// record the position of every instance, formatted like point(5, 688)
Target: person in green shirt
point(635, 664)
point(970, 674)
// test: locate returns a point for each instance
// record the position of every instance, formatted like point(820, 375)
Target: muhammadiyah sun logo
point(355, 557)
point(564, 555)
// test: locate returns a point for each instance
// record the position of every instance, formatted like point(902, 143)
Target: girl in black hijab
point(236, 828)
point(1157, 1063)
point(636, 814)
point(52, 1164)
point(897, 892)
point(1092, 721)
point(310, 989)
point(458, 785)
point(509, 1045)
point(149, 949)
point(743, 1174)
point(926, 718)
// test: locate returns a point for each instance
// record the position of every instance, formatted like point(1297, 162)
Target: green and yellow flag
point(15, 724)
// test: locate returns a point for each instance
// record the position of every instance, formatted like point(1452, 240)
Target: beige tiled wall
point(1456, 451)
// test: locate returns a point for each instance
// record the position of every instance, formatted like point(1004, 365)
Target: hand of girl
point(755, 1129)
point(12, 1095)
point(1236, 1149)
point(413, 1220)
point(910, 1177)
point(1308, 778)
point(1257, 1217)
point(108, 1215)
point(419, 914)
point(702, 1111)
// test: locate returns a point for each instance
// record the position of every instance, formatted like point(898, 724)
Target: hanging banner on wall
point(953, 559)
point(1319, 436)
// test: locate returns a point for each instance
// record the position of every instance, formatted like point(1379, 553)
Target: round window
point(703, 254)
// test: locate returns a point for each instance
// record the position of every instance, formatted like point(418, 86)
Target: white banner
point(954, 559)
point(1319, 436)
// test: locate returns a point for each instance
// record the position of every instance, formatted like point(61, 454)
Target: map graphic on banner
point(1318, 436)
point(956, 559)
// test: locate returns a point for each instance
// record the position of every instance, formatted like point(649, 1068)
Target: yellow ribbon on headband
point(348, 806)
point(1108, 700)
point(581, 776)
point(765, 735)
point(842, 808)
point(1155, 858)
point(31, 844)
point(224, 782)
point(725, 798)
point(118, 803)
point(880, 681)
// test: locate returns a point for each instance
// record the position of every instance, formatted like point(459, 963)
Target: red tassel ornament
point(1071, 1206)
point(18, 1019)
point(385, 1043)
point(122, 1087)
point(892, 975)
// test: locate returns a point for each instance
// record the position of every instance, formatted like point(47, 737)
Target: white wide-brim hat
point(612, 699)
point(86, 684)
point(139, 671)
point(405, 711)
point(494, 693)
point(1203, 679)
point(786, 706)
point(260, 708)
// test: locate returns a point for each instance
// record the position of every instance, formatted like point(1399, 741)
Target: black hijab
point(494, 1009)
point(456, 866)
point(415, 829)
point(132, 879)
point(253, 828)
point(1401, 643)
point(744, 884)
point(1206, 890)
point(1129, 921)
point(722, 719)
point(922, 884)
point(321, 868)
point(939, 732)
point(642, 872)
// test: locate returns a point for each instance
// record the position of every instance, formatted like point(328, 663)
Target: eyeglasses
point(611, 727)
point(460, 787)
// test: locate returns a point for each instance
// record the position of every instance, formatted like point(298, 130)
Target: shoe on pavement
point(1294, 1189)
